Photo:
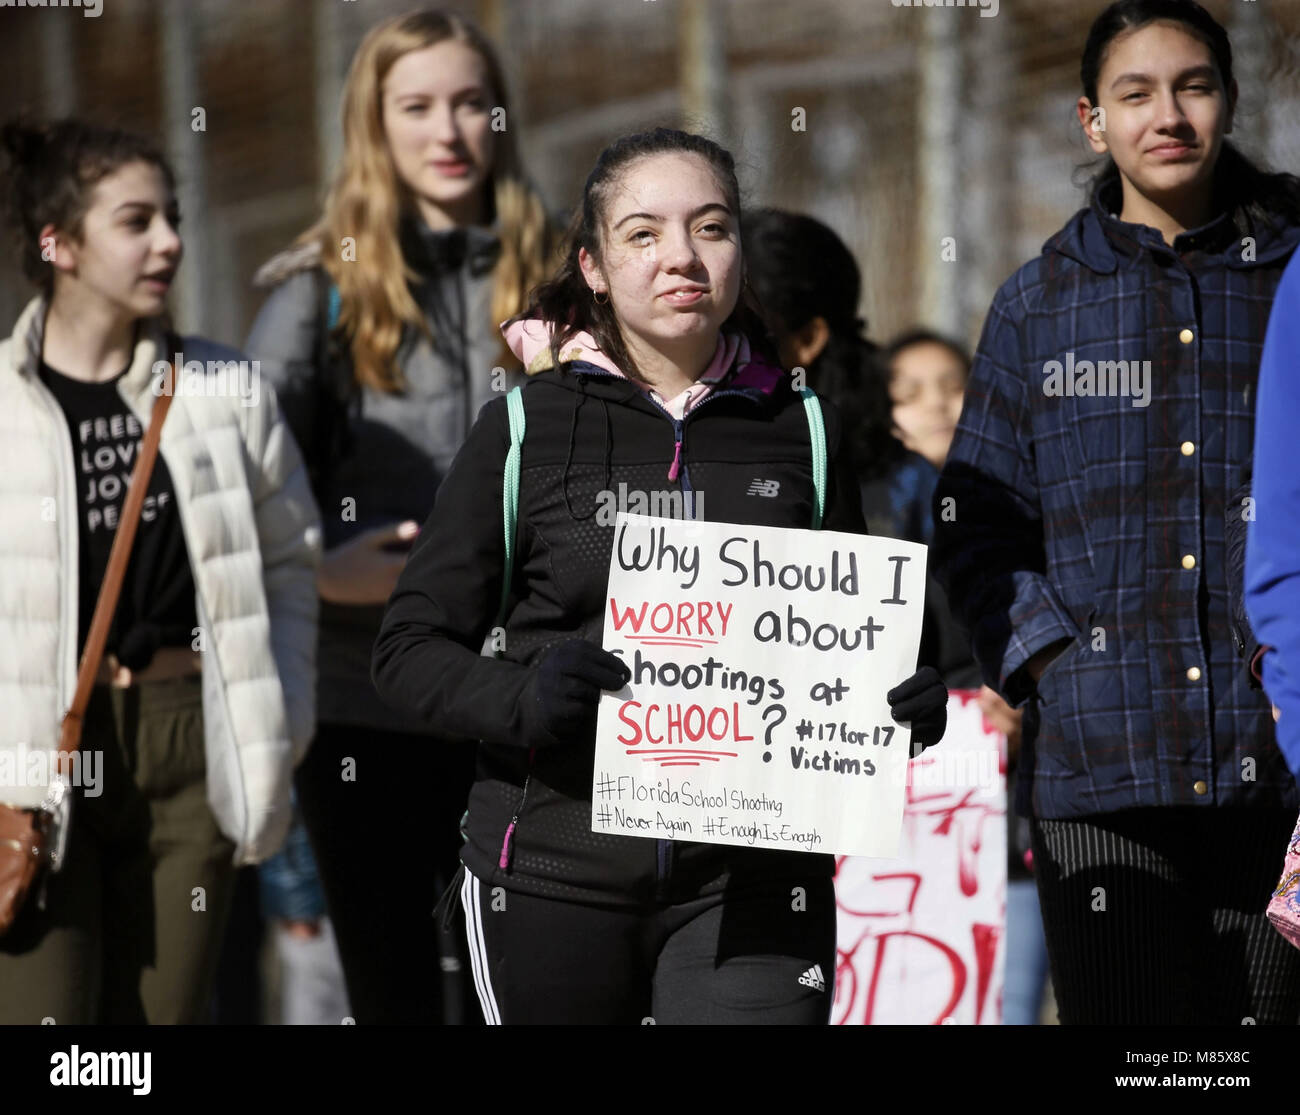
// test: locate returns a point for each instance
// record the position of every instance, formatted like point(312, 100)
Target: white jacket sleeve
point(289, 535)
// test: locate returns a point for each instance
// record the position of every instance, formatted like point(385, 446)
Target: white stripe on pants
point(469, 900)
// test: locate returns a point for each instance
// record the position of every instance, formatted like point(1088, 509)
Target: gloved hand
point(561, 700)
point(922, 701)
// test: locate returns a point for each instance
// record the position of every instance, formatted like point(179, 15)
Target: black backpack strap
point(339, 397)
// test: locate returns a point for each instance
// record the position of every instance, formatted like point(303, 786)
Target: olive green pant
point(131, 927)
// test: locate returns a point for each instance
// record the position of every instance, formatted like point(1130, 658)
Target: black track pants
point(762, 953)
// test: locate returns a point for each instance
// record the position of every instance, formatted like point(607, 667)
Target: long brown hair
point(365, 202)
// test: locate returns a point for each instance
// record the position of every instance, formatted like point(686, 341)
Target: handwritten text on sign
point(760, 660)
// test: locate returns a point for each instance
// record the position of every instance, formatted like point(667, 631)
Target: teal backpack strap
point(510, 491)
point(817, 437)
point(335, 305)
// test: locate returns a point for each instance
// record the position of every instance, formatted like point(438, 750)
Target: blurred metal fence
point(917, 124)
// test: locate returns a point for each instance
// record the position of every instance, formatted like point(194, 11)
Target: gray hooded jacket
point(383, 461)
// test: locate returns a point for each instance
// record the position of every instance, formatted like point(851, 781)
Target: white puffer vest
point(253, 535)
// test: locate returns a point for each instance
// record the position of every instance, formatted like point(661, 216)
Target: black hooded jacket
point(588, 431)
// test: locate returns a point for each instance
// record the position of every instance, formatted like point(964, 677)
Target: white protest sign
point(756, 713)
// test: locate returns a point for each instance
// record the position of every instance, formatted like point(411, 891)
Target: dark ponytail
point(47, 175)
point(566, 301)
point(1253, 195)
point(801, 270)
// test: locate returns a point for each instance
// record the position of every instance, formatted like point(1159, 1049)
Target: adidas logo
point(768, 488)
point(813, 978)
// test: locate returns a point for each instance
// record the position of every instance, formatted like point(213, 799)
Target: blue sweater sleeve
point(1273, 538)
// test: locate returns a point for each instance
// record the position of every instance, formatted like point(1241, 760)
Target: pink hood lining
point(530, 340)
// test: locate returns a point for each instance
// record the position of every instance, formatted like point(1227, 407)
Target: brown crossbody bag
point(32, 840)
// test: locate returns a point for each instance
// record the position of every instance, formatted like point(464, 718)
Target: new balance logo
point(768, 488)
point(813, 978)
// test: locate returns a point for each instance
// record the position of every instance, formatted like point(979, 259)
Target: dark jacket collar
point(1098, 239)
point(430, 251)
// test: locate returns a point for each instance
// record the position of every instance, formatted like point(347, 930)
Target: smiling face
point(669, 257)
point(129, 248)
point(1166, 112)
point(437, 113)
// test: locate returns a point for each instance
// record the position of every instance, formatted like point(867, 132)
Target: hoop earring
point(595, 297)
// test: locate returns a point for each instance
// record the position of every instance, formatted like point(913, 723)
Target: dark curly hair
point(49, 172)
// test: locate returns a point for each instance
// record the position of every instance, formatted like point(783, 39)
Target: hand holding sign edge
point(560, 702)
point(922, 701)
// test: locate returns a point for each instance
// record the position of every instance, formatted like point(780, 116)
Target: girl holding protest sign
point(380, 337)
point(1080, 534)
point(646, 372)
point(204, 695)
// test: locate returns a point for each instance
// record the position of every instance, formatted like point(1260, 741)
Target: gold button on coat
point(1200, 787)
point(1189, 562)
point(1194, 674)
point(1186, 336)
point(1188, 448)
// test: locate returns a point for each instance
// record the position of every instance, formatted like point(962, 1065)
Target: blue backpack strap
point(510, 491)
point(335, 305)
point(817, 437)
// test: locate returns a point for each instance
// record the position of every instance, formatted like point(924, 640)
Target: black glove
point(922, 701)
point(561, 700)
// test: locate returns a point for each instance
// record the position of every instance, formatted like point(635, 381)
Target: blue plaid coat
point(1110, 407)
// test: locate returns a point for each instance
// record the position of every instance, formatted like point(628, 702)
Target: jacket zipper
point(503, 861)
point(678, 472)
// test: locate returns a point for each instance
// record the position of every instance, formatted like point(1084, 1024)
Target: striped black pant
point(748, 955)
point(1156, 916)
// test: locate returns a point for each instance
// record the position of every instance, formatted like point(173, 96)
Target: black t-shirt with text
point(156, 607)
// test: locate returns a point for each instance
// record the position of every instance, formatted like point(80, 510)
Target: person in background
point(901, 406)
point(206, 693)
point(293, 905)
point(380, 335)
point(1109, 410)
point(927, 383)
point(648, 372)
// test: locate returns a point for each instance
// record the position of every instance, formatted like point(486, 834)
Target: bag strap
point(118, 556)
point(817, 436)
point(333, 306)
point(510, 480)
point(510, 491)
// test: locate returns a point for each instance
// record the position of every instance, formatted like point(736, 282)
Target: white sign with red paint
point(761, 658)
point(920, 938)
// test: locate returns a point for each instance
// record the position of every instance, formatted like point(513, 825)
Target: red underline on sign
point(681, 764)
point(663, 641)
point(680, 753)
